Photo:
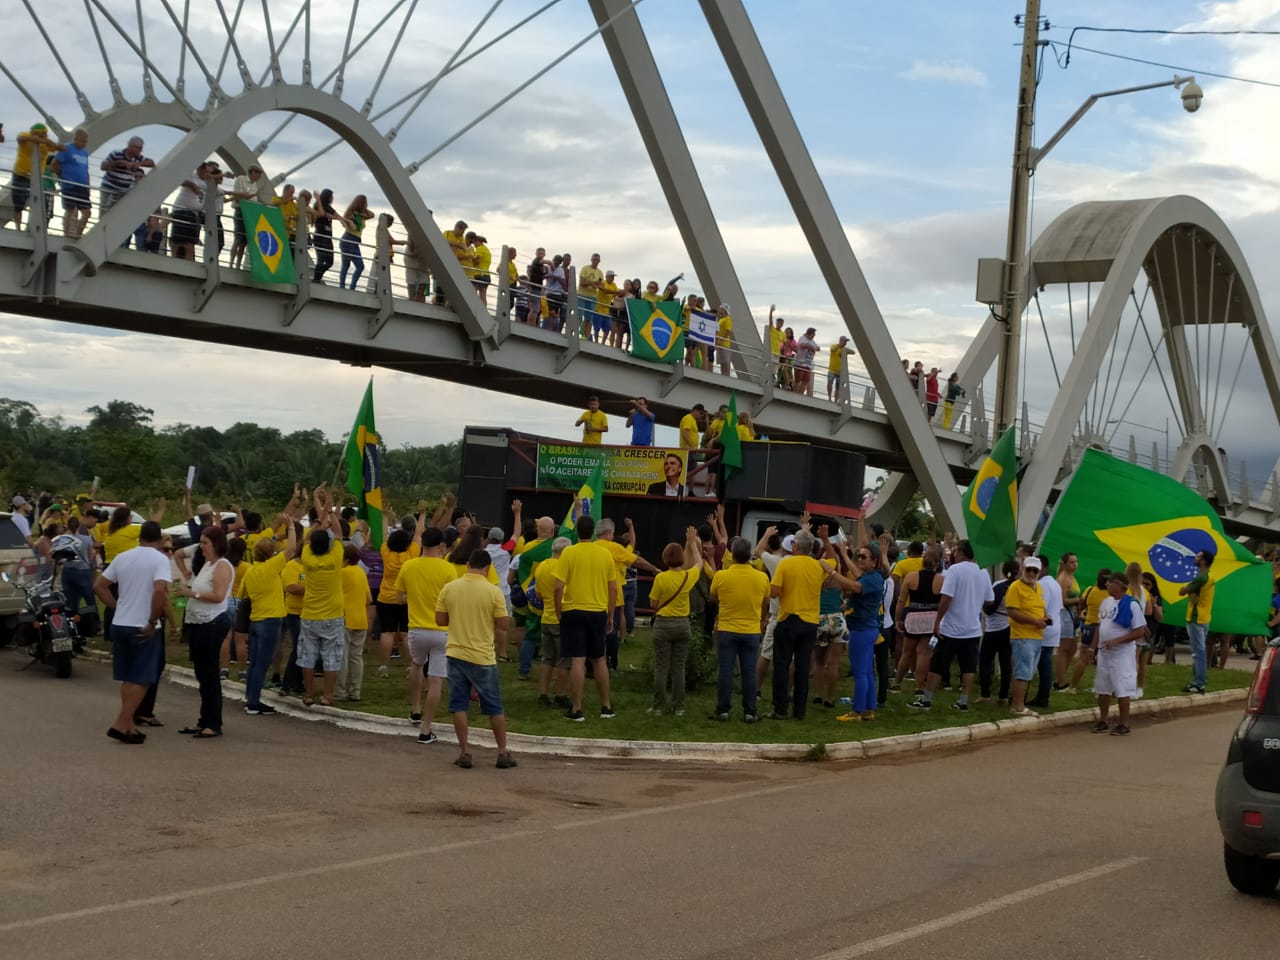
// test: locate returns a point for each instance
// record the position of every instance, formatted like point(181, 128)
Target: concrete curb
point(942, 739)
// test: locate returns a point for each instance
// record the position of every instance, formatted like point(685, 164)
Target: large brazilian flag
point(1114, 513)
point(270, 259)
point(656, 333)
point(364, 478)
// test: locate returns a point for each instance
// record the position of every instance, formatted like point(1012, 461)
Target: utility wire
point(1071, 39)
point(1062, 62)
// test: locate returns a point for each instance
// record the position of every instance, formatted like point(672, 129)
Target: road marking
point(176, 896)
point(981, 910)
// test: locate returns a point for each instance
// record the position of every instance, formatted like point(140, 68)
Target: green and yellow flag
point(364, 477)
point(1114, 513)
point(270, 259)
point(588, 502)
point(991, 505)
point(730, 442)
point(656, 332)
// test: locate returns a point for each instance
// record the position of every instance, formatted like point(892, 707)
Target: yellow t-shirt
point(323, 599)
point(22, 162)
point(481, 259)
point(292, 574)
point(1030, 600)
point(604, 296)
point(356, 597)
point(1093, 597)
point(715, 427)
point(801, 580)
point(391, 564)
point(586, 570)
point(513, 273)
point(724, 331)
point(623, 557)
point(1203, 606)
point(593, 429)
point(835, 358)
point(473, 604)
point(545, 585)
point(776, 337)
point(648, 297)
point(588, 276)
point(458, 243)
point(741, 592)
point(688, 432)
point(263, 588)
point(907, 565)
point(745, 432)
point(237, 585)
point(676, 584)
point(289, 211)
point(251, 539)
point(420, 580)
point(114, 544)
point(461, 570)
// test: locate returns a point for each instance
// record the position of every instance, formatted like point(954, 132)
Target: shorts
point(549, 651)
point(323, 639)
point(238, 221)
point(75, 196)
point(136, 659)
point(414, 278)
point(1087, 634)
point(465, 676)
point(427, 647)
point(392, 617)
point(481, 281)
point(1026, 658)
point(582, 634)
point(601, 324)
point(186, 227)
point(833, 379)
point(19, 194)
point(832, 628)
point(963, 649)
point(766, 641)
point(1117, 672)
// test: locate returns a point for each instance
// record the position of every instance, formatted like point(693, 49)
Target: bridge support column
point(302, 268)
point(212, 274)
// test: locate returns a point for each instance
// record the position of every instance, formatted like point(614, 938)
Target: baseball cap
point(19, 501)
point(54, 506)
point(83, 498)
point(204, 508)
point(1031, 563)
point(496, 535)
point(789, 542)
point(611, 273)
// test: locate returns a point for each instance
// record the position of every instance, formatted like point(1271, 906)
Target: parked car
point(181, 536)
point(1247, 799)
point(13, 551)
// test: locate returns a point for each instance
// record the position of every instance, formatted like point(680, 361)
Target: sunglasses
point(862, 556)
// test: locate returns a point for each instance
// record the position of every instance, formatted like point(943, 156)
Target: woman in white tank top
point(207, 623)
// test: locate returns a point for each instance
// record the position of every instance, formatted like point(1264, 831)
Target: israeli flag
point(702, 327)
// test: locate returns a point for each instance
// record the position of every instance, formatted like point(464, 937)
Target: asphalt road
point(289, 839)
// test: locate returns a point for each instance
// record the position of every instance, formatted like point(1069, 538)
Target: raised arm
point(157, 511)
point(763, 543)
point(517, 516)
point(692, 549)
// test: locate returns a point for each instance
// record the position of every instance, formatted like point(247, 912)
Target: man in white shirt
point(142, 577)
point(1120, 624)
point(1055, 610)
point(957, 628)
point(21, 518)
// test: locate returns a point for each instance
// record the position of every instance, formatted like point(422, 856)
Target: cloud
point(950, 71)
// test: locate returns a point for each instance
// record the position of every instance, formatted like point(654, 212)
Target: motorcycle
point(46, 631)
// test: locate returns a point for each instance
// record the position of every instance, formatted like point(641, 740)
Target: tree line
point(247, 464)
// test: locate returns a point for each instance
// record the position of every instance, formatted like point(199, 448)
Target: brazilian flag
point(588, 503)
point(656, 332)
point(364, 476)
point(991, 505)
point(1114, 513)
point(270, 259)
point(730, 442)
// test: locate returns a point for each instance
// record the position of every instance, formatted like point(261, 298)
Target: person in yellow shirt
point(745, 429)
point(1027, 620)
point(651, 294)
point(669, 597)
point(913, 561)
point(742, 593)
point(586, 593)
point(457, 241)
point(265, 595)
point(716, 426)
point(624, 556)
point(481, 260)
point(603, 321)
point(590, 279)
point(288, 205)
point(553, 669)
point(322, 635)
point(836, 382)
point(724, 340)
point(37, 138)
point(286, 675)
point(776, 335)
point(594, 422)
point(418, 584)
point(473, 610)
point(1199, 594)
point(393, 615)
point(690, 425)
point(797, 583)
point(356, 599)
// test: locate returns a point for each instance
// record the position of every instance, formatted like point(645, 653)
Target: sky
point(908, 113)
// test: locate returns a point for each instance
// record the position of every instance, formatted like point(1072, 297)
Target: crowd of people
point(290, 602)
point(541, 294)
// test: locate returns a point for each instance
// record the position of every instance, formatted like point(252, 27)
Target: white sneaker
point(1071, 690)
point(382, 672)
point(1138, 695)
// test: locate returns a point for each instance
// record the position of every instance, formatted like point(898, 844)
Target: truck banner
point(634, 471)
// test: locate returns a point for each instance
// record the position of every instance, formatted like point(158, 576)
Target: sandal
point(463, 761)
point(308, 702)
point(148, 721)
point(191, 731)
point(206, 735)
point(1024, 712)
point(326, 702)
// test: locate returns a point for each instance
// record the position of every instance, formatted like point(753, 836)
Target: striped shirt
point(116, 180)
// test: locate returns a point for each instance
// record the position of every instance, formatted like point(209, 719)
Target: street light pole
point(1011, 291)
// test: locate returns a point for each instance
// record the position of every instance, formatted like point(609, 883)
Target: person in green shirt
point(1199, 594)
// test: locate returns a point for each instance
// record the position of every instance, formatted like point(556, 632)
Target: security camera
point(1191, 97)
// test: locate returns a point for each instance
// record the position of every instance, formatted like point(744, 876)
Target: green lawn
point(632, 695)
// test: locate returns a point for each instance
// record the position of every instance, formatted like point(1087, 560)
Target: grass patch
point(632, 688)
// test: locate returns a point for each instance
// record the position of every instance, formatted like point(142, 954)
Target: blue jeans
point(743, 649)
point(529, 646)
point(263, 637)
point(77, 587)
point(1198, 635)
point(351, 257)
point(862, 662)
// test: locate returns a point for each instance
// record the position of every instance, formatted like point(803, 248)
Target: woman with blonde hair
point(917, 610)
point(355, 217)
